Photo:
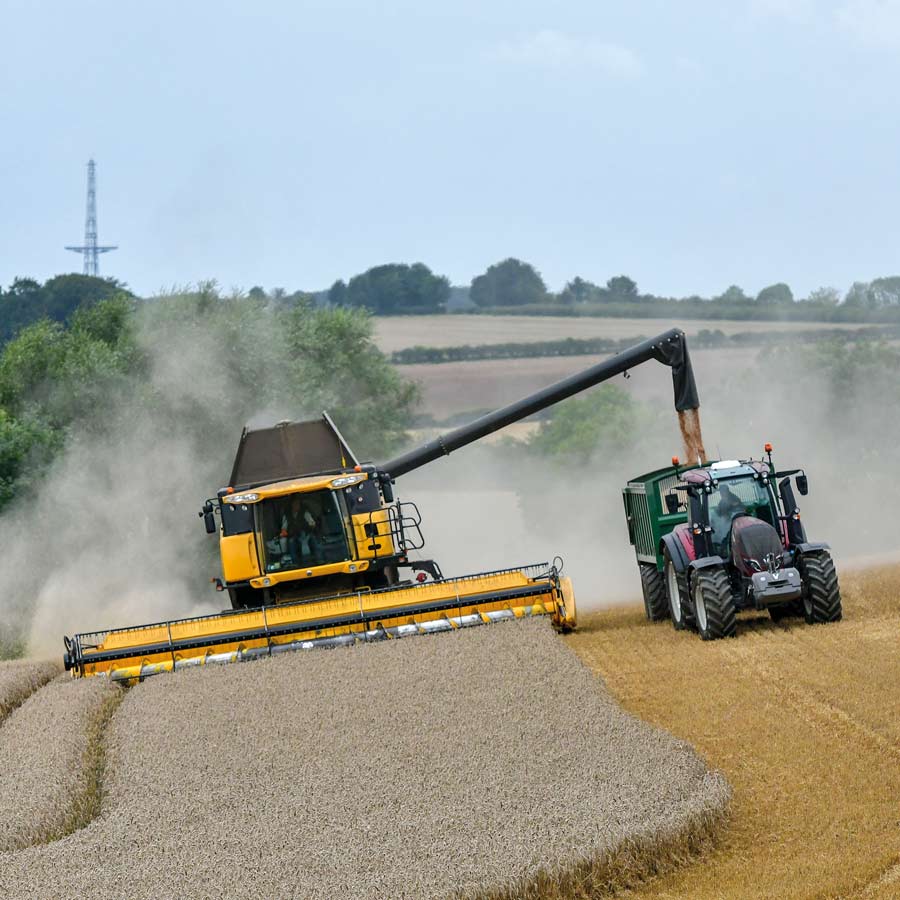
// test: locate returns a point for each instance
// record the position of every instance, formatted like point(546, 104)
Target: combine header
point(315, 549)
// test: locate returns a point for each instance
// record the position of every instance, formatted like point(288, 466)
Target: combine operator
point(302, 529)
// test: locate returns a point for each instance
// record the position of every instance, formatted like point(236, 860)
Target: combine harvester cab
point(717, 538)
point(315, 549)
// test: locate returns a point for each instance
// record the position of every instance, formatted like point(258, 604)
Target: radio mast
point(91, 250)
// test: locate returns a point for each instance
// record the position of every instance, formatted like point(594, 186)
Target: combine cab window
point(303, 530)
point(737, 496)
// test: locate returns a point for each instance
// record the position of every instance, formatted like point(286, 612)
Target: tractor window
point(303, 530)
point(737, 496)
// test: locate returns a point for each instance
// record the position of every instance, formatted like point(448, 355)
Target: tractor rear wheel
point(655, 603)
point(713, 604)
point(821, 592)
point(676, 594)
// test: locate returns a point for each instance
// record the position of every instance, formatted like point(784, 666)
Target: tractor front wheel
point(676, 594)
point(821, 592)
point(655, 603)
point(713, 604)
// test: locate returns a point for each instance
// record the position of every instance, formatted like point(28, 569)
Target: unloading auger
point(321, 559)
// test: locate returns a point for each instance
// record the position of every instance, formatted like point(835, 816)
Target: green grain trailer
point(648, 520)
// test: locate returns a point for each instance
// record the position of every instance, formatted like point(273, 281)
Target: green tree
point(337, 293)
point(775, 293)
point(578, 290)
point(886, 291)
point(397, 288)
point(859, 295)
point(622, 288)
point(58, 299)
point(826, 296)
point(605, 420)
point(339, 368)
point(508, 283)
point(732, 294)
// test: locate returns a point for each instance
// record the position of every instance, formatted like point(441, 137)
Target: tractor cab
point(723, 495)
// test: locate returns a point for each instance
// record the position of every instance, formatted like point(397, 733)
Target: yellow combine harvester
point(322, 558)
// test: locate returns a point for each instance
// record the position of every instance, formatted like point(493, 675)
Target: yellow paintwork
point(283, 575)
point(299, 486)
point(239, 559)
point(222, 629)
point(568, 595)
point(363, 540)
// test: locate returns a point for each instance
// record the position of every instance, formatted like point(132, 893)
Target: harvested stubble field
point(452, 388)
point(462, 763)
point(399, 332)
point(804, 721)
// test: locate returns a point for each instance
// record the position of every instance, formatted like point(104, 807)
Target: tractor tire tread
point(721, 616)
point(823, 591)
point(656, 604)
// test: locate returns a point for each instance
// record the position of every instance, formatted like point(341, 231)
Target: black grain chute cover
point(675, 354)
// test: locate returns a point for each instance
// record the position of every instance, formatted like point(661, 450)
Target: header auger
point(315, 549)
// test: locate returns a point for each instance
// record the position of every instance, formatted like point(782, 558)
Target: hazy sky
point(690, 145)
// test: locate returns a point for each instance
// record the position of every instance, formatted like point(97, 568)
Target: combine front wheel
point(655, 604)
point(713, 604)
point(821, 592)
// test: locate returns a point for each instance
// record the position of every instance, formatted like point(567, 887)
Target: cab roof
point(731, 468)
point(334, 481)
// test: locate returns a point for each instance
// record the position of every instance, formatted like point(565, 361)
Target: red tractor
point(726, 536)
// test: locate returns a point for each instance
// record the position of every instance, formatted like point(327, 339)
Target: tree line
point(509, 286)
point(516, 286)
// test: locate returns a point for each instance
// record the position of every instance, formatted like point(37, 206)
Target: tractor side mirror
point(209, 518)
point(672, 503)
point(803, 484)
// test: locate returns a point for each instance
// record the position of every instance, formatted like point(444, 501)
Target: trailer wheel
point(714, 604)
point(676, 594)
point(821, 592)
point(656, 605)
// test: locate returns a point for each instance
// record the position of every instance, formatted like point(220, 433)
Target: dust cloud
point(112, 537)
point(484, 507)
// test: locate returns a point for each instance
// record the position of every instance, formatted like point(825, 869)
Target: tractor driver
point(725, 510)
point(301, 527)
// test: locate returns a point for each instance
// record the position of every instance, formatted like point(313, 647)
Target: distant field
point(398, 332)
point(451, 388)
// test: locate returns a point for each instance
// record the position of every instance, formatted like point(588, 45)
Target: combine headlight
point(242, 498)
point(344, 480)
